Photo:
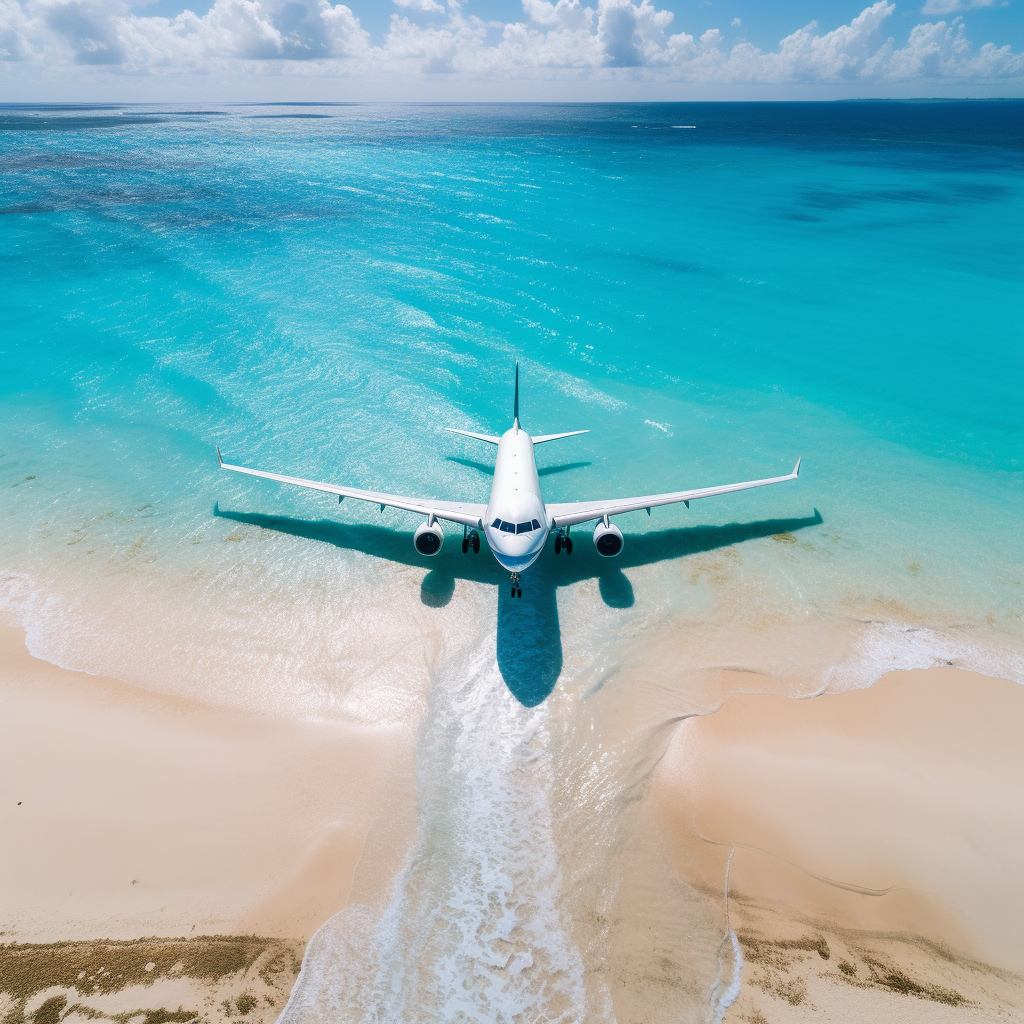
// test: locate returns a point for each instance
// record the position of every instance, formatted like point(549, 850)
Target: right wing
point(584, 511)
point(453, 511)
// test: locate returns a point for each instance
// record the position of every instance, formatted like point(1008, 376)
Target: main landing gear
point(563, 540)
point(470, 539)
point(517, 591)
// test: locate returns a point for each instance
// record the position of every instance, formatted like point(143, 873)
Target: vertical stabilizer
point(515, 410)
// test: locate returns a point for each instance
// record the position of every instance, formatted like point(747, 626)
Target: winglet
point(220, 458)
point(796, 468)
point(515, 409)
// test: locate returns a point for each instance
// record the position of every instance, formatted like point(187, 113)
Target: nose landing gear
point(517, 591)
point(470, 539)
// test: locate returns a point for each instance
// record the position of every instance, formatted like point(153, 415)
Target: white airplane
point(515, 521)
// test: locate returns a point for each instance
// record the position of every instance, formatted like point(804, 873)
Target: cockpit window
point(515, 527)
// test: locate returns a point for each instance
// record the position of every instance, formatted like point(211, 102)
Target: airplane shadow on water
point(529, 636)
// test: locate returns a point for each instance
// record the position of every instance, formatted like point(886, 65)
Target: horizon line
point(506, 103)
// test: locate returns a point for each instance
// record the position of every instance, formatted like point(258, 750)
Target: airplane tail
point(544, 437)
point(515, 408)
point(491, 439)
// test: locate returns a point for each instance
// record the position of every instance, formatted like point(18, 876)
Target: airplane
point(515, 521)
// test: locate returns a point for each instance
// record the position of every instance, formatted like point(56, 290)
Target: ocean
point(711, 289)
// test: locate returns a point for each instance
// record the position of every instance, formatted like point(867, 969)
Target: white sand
point(909, 791)
point(126, 813)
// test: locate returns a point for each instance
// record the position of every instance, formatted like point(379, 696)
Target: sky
point(506, 50)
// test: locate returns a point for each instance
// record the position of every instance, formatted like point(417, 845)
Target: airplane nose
point(519, 554)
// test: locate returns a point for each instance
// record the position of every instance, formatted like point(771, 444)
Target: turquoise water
point(321, 290)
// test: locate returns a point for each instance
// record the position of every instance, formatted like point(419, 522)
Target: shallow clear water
point(321, 290)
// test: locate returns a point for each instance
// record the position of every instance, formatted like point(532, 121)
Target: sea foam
point(475, 929)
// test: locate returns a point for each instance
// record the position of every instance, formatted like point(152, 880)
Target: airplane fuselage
point(516, 525)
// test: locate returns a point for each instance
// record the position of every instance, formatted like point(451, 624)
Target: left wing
point(452, 511)
point(583, 511)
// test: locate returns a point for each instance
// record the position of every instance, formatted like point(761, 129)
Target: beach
point(136, 814)
point(872, 840)
point(872, 843)
point(155, 821)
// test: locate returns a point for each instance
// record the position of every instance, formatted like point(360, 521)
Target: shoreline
point(150, 820)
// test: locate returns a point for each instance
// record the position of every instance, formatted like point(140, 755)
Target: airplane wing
point(452, 511)
point(584, 511)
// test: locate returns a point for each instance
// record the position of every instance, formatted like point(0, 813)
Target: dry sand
point(128, 814)
point(876, 835)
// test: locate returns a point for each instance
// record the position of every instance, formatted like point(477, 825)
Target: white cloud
point(243, 30)
point(842, 53)
point(610, 41)
point(952, 6)
point(89, 30)
point(423, 6)
point(566, 15)
point(736, 23)
point(943, 51)
point(631, 36)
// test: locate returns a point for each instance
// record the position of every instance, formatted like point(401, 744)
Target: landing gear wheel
point(519, 593)
point(558, 544)
point(568, 545)
point(513, 594)
point(465, 544)
point(475, 541)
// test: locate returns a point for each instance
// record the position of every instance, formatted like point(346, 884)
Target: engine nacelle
point(608, 540)
point(428, 538)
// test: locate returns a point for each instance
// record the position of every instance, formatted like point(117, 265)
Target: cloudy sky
point(223, 50)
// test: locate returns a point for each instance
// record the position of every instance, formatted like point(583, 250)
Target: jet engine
point(428, 538)
point(608, 539)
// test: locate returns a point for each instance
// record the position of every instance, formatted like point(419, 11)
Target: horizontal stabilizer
point(555, 437)
point(489, 438)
